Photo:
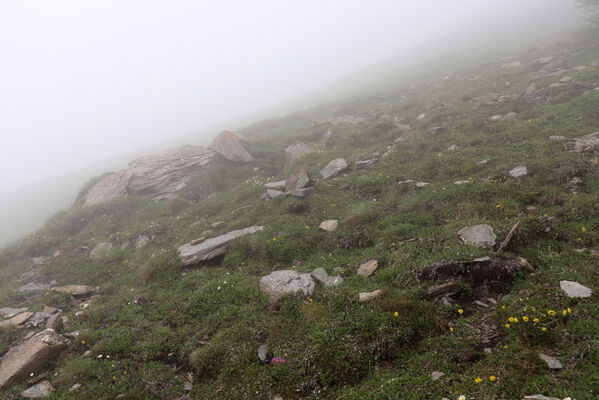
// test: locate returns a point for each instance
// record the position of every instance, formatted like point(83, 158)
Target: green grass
point(156, 323)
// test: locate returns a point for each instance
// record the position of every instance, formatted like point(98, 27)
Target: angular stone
point(334, 168)
point(279, 185)
point(329, 225)
point(55, 322)
point(368, 268)
point(30, 356)
point(75, 290)
point(478, 235)
point(50, 310)
point(38, 391)
point(39, 260)
point(228, 145)
point(38, 318)
point(437, 375)
point(422, 184)
point(367, 296)
point(298, 150)
point(575, 289)
point(263, 354)
point(280, 283)
point(213, 247)
point(518, 171)
point(298, 180)
point(17, 320)
point(552, 362)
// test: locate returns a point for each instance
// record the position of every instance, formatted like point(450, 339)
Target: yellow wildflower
point(583, 229)
point(460, 311)
point(565, 312)
point(525, 318)
point(492, 378)
point(536, 320)
point(544, 329)
point(478, 380)
point(569, 310)
point(451, 329)
point(551, 312)
point(507, 326)
point(396, 314)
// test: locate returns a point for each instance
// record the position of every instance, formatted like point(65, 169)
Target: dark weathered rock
point(228, 145)
point(213, 247)
point(280, 283)
point(30, 356)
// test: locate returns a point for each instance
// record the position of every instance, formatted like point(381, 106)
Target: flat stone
point(298, 150)
point(38, 318)
point(518, 171)
point(99, 249)
point(74, 387)
point(557, 138)
point(187, 386)
point(17, 320)
point(437, 375)
point(75, 290)
point(40, 260)
point(329, 225)
point(422, 184)
point(367, 296)
point(334, 168)
point(213, 247)
point(30, 356)
point(368, 268)
point(38, 391)
point(478, 235)
point(10, 312)
point(552, 362)
point(280, 283)
point(575, 289)
point(279, 185)
point(421, 117)
point(36, 287)
point(508, 117)
point(50, 310)
point(539, 397)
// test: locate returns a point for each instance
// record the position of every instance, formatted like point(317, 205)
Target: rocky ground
point(432, 241)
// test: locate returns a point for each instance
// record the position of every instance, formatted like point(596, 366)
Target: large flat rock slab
point(478, 235)
point(213, 247)
point(30, 356)
point(280, 283)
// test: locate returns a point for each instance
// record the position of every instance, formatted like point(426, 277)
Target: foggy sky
point(83, 81)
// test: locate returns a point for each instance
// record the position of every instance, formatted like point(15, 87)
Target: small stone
point(575, 181)
point(50, 310)
point(453, 147)
point(263, 354)
point(531, 208)
point(187, 386)
point(321, 276)
point(488, 350)
point(100, 249)
point(575, 289)
point(367, 296)
point(557, 138)
point(75, 290)
point(87, 353)
point(329, 225)
point(518, 171)
point(38, 391)
point(552, 362)
point(74, 387)
point(422, 184)
point(481, 304)
point(368, 268)
point(437, 375)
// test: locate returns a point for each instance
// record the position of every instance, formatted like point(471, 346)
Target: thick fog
point(86, 82)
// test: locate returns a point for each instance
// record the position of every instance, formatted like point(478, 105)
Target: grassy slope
point(159, 322)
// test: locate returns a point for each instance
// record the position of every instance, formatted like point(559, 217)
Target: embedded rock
point(575, 289)
point(99, 249)
point(30, 356)
point(518, 171)
point(367, 296)
point(298, 150)
point(368, 268)
point(552, 362)
point(213, 247)
point(329, 225)
point(321, 276)
point(478, 235)
point(228, 145)
point(279, 185)
point(75, 290)
point(334, 168)
point(280, 283)
point(38, 391)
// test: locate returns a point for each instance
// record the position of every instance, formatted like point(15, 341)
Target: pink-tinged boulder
point(227, 144)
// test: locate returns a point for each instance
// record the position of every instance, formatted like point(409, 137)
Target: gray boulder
point(298, 150)
point(334, 168)
point(280, 283)
point(298, 180)
point(213, 247)
point(478, 235)
point(30, 356)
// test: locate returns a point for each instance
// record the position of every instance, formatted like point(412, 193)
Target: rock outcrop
point(213, 247)
point(30, 356)
point(162, 175)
